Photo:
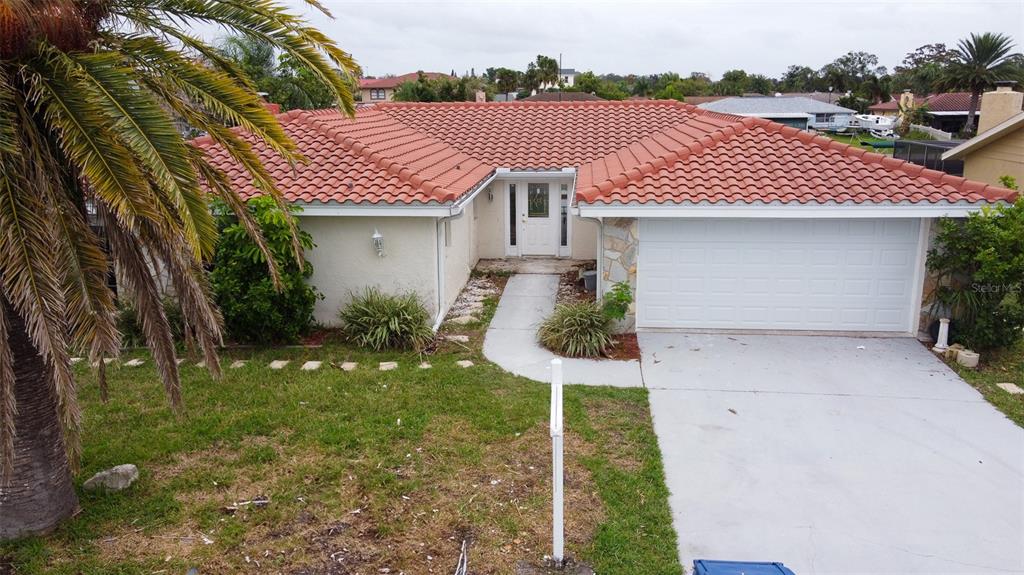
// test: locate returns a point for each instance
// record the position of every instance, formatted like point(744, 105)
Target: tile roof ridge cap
point(400, 170)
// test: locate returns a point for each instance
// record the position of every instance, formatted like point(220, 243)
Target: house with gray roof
point(797, 111)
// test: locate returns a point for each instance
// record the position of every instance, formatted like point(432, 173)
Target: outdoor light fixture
point(490, 194)
point(378, 242)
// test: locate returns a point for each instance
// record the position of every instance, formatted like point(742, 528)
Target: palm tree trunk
point(38, 494)
point(975, 96)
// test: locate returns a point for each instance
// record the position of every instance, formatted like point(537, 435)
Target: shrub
point(380, 321)
point(616, 302)
point(130, 326)
point(254, 310)
point(579, 329)
point(979, 263)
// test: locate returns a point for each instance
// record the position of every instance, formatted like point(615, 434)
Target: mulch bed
point(625, 348)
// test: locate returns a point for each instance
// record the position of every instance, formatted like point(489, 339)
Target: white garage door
point(797, 274)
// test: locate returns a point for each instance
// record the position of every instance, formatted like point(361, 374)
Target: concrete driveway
point(833, 458)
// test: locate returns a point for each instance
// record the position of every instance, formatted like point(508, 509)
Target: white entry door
point(538, 220)
point(806, 274)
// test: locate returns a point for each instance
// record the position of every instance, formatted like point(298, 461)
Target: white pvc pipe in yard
point(557, 527)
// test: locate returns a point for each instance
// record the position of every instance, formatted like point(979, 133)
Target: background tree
point(921, 70)
point(547, 70)
point(507, 80)
point(283, 78)
point(87, 140)
point(978, 62)
point(733, 83)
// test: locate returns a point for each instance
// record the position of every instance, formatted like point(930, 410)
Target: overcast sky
point(389, 37)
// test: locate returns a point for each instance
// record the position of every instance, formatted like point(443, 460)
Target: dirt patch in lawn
point(453, 485)
point(616, 421)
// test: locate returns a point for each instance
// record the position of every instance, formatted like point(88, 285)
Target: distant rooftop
point(567, 71)
point(774, 105)
point(394, 81)
point(561, 97)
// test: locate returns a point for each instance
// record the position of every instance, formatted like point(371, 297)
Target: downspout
point(456, 210)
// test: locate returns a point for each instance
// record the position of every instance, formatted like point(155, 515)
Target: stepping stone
point(106, 361)
point(349, 366)
point(279, 363)
point(201, 365)
point(425, 365)
point(179, 361)
point(75, 360)
point(311, 365)
point(463, 319)
point(1011, 388)
point(457, 338)
point(238, 363)
point(388, 365)
point(464, 363)
point(135, 362)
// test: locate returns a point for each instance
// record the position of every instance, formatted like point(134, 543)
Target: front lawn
point(1006, 366)
point(357, 472)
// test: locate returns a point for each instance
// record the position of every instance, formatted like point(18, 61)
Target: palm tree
point(89, 94)
point(977, 63)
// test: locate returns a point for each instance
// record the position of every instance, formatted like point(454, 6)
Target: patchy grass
point(860, 142)
point(357, 472)
point(1006, 366)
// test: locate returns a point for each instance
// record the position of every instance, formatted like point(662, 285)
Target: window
point(512, 218)
point(538, 201)
point(565, 214)
point(378, 94)
point(824, 118)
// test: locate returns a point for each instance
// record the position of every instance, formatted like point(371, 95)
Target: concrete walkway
point(511, 339)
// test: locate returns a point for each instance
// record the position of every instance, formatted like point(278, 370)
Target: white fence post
point(558, 543)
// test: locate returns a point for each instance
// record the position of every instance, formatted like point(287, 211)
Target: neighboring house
point(715, 221)
point(946, 112)
point(566, 76)
point(998, 149)
point(797, 111)
point(562, 97)
point(826, 97)
point(372, 90)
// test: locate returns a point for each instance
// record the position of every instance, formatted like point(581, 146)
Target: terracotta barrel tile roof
point(394, 81)
point(633, 152)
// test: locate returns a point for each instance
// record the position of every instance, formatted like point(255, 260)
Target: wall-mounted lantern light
point(490, 194)
point(378, 242)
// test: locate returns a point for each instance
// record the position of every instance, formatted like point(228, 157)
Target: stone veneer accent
point(620, 245)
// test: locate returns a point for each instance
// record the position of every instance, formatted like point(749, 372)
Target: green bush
point(979, 263)
point(616, 302)
point(254, 310)
point(579, 329)
point(380, 321)
point(130, 326)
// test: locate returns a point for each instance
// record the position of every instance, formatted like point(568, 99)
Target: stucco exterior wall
point(584, 238)
point(620, 250)
point(345, 262)
point(490, 221)
point(459, 253)
point(1003, 157)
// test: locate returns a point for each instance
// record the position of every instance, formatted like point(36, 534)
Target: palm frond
point(31, 283)
point(146, 129)
point(137, 276)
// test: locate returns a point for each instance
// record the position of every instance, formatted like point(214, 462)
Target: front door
point(539, 220)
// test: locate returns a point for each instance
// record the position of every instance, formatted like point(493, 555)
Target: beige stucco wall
point(344, 260)
point(364, 94)
point(1003, 157)
point(490, 216)
point(460, 253)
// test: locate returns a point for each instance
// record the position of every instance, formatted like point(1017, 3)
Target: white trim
point(439, 241)
point(917, 295)
point(778, 211)
point(992, 134)
point(511, 250)
point(953, 113)
point(510, 174)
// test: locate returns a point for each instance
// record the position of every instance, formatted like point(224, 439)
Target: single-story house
point(998, 149)
point(797, 111)
point(373, 90)
point(716, 221)
point(947, 111)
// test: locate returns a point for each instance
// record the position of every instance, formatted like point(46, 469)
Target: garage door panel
point(777, 274)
